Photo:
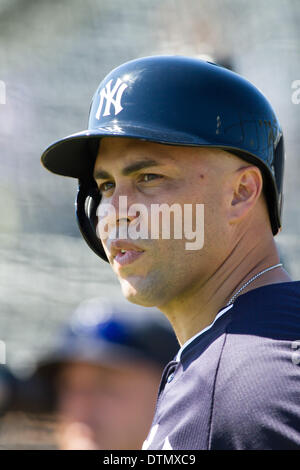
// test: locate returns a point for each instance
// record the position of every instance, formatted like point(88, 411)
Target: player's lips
point(124, 252)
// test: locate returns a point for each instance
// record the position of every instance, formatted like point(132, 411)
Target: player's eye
point(149, 177)
point(106, 186)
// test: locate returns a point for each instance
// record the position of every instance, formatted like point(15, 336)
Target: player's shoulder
point(270, 311)
point(256, 396)
point(263, 332)
point(260, 359)
point(261, 317)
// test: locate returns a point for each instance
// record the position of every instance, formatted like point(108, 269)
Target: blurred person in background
point(105, 372)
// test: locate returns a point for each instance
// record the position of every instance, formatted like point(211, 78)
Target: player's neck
point(196, 309)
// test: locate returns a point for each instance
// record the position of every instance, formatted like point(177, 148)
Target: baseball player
point(179, 131)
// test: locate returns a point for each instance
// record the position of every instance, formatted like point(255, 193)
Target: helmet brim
point(73, 155)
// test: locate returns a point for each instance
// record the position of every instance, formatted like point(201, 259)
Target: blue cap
point(109, 333)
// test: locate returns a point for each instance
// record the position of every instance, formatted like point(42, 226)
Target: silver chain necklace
point(250, 280)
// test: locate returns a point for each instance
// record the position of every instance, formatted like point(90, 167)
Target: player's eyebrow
point(127, 170)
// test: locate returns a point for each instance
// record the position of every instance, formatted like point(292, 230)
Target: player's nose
point(124, 200)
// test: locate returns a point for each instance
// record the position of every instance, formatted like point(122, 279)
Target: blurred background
point(53, 54)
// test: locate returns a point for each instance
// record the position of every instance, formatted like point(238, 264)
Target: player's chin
point(135, 291)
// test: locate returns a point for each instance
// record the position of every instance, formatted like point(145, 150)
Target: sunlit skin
point(190, 287)
point(105, 408)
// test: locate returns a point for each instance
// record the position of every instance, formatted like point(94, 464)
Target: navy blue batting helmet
point(173, 100)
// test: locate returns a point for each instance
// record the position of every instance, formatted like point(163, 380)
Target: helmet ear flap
point(87, 202)
point(278, 163)
point(273, 182)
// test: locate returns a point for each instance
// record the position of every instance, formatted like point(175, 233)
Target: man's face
point(156, 271)
point(104, 407)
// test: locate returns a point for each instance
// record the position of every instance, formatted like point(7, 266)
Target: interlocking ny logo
point(112, 96)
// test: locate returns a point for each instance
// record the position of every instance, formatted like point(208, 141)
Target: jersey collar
point(189, 341)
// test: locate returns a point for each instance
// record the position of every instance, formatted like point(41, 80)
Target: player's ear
point(246, 189)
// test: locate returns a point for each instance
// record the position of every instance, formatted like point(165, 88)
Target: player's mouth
point(124, 252)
